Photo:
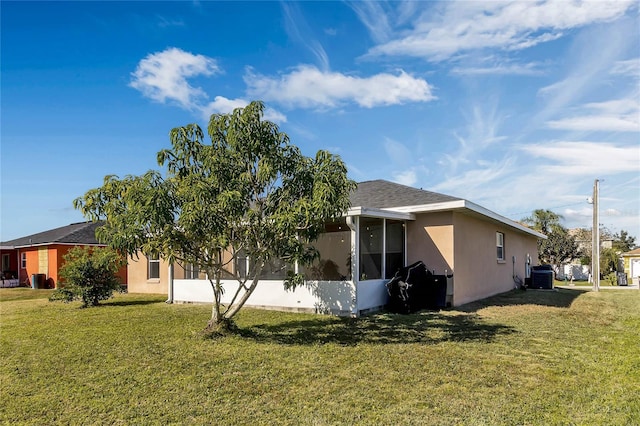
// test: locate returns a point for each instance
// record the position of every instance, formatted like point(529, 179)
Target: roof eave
point(466, 205)
point(380, 213)
point(55, 243)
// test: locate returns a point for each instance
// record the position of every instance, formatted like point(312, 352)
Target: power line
point(510, 215)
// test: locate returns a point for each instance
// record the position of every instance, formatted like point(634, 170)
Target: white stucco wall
point(335, 297)
point(372, 294)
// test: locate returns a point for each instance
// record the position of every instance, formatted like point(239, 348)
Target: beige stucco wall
point(137, 275)
point(478, 273)
point(466, 245)
point(430, 239)
point(137, 281)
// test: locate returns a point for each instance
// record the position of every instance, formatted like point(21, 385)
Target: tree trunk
point(217, 325)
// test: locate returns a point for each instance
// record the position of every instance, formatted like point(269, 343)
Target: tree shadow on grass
point(129, 302)
point(458, 325)
point(384, 328)
point(557, 298)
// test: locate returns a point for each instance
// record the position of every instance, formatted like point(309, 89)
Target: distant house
point(388, 226)
point(631, 260)
point(36, 259)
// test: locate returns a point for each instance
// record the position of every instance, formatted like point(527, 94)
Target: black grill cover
point(414, 288)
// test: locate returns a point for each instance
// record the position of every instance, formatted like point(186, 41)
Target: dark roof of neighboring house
point(384, 194)
point(76, 233)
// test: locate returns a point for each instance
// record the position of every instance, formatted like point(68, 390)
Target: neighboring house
point(388, 226)
point(631, 260)
point(9, 272)
point(39, 257)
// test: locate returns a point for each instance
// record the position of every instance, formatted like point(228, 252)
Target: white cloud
point(222, 105)
point(299, 31)
point(162, 76)
point(483, 123)
point(629, 67)
point(597, 123)
point(374, 17)
point(621, 115)
point(406, 177)
point(308, 87)
point(464, 26)
point(585, 158)
point(500, 69)
point(400, 157)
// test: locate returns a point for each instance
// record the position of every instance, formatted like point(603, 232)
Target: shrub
point(90, 275)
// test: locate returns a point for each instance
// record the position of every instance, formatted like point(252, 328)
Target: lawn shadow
point(462, 323)
point(557, 298)
point(383, 328)
point(129, 302)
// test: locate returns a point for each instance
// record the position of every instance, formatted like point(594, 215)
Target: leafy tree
point(543, 221)
point(90, 275)
point(249, 192)
point(609, 259)
point(623, 242)
point(560, 246)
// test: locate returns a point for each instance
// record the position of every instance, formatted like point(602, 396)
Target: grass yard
point(526, 358)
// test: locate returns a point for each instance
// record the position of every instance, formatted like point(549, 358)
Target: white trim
point(380, 213)
point(466, 205)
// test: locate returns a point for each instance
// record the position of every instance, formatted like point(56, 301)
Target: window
point(5, 262)
point(23, 260)
point(153, 267)
point(334, 247)
point(382, 244)
point(241, 264)
point(275, 269)
point(394, 249)
point(191, 272)
point(500, 245)
point(371, 233)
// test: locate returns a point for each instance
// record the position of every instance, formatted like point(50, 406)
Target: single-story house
point(631, 260)
point(388, 226)
point(35, 260)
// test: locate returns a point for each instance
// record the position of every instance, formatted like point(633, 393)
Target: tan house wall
point(137, 281)
point(430, 239)
point(478, 273)
point(466, 245)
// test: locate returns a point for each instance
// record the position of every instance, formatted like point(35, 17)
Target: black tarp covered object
point(414, 288)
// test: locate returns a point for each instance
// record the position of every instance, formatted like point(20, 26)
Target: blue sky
point(514, 106)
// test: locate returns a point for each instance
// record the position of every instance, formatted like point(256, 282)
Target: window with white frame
point(382, 243)
point(153, 267)
point(23, 260)
point(371, 248)
point(334, 249)
point(500, 246)
point(191, 271)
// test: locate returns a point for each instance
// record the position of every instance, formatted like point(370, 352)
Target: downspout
point(170, 284)
point(352, 223)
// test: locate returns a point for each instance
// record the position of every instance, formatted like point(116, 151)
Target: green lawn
point(526, 358)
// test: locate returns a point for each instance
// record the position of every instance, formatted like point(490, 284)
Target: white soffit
point(380, 213)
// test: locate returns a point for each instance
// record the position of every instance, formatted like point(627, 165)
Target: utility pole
point(595, 231)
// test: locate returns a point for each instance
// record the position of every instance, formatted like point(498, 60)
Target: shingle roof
point(635, 252)
point(76, 233)
point(384, 194)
